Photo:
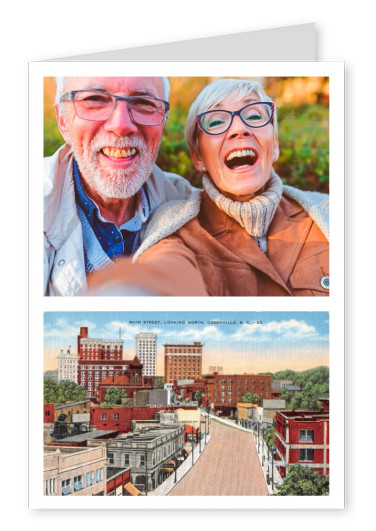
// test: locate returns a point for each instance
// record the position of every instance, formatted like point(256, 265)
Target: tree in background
point(303, 481)
point(251, 398)
point(62, 392)
point(159, 383)
point(314, 384)
point(197, 397)
point(113, 397)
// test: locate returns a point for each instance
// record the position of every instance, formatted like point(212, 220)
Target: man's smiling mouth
point(119, 153)
point(241, 158)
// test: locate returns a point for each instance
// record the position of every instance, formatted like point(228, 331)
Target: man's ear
point(197, 159)
point(62, 125)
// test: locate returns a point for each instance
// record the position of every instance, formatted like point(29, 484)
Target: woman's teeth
point(119, 153)
point(241, 158)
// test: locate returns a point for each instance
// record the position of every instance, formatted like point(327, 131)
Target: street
point(228, 467)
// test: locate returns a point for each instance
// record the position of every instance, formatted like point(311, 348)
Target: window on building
point(142, 460)
point(306, 436)
point(116, 416)
point(89, 479)
point(104, 416)
point(126, 459)
point(99, 475)
point(78, 482)
point(306, 454)
point(66, 487)
point(110, 457)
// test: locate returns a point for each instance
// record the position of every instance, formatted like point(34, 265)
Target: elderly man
point(102, 186)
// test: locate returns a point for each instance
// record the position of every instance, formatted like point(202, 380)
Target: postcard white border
point(333, 304)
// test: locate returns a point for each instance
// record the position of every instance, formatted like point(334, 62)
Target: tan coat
point(213, 255)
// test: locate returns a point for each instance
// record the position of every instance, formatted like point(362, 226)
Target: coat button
point(61, 262)
point(117, 239)
point(325, 282)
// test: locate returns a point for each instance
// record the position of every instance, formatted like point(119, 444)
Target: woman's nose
point(238, 128)
point(120, 121)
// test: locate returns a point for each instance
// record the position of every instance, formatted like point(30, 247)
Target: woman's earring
point(273, 158)
point(203, 168)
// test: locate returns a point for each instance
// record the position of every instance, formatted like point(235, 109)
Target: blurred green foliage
point(304, 146)
point(303, 141)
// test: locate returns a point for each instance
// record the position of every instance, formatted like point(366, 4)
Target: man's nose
point(238, 128)
point(120, 121)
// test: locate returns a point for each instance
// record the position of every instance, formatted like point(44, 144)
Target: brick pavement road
point(229, 466)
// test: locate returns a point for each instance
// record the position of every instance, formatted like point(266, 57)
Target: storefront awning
point(133, 491)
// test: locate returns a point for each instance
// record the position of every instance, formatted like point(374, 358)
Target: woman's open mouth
point(241, 158)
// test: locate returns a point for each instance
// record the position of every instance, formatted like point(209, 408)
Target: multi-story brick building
point(223, 392)
point(182, 361)
point(67, 366)
point(146, 351)
point(98, 359)
point(303, 437)
point(130, 380)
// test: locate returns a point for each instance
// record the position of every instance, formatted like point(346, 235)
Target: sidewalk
point(266, 466)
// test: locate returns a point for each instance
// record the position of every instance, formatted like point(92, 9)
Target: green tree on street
point(269, 437)
point(303, 481)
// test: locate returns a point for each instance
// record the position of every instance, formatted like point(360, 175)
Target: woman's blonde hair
point(216, 92)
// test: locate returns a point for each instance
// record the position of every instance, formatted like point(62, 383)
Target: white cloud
point(285, 330)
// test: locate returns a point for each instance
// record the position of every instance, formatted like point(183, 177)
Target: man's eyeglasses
point(253, 115)
point(98, 106)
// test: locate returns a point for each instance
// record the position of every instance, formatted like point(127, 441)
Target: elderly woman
point(247, 234)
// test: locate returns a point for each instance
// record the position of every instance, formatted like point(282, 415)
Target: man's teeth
point(119, 153)
point(241, 153)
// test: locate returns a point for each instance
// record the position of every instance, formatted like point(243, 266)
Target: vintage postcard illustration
point(186, 404)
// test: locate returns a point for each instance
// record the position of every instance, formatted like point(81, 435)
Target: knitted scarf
point(255, 215)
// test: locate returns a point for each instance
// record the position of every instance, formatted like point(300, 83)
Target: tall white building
point(146, 351)
point(68, 366)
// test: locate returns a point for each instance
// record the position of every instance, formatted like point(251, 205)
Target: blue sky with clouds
point(238, 341)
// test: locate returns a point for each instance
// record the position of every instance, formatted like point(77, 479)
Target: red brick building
point(48, 413)
point(99, 359)
point(223, 392)
point(187, 391)
point(303, 437)
point(182, 362)
point(130, 382)
point(120, 418)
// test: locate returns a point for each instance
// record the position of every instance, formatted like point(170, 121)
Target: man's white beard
point(115, 183)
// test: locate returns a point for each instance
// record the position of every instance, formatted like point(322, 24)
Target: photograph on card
point(186, 404)
point(186, 186)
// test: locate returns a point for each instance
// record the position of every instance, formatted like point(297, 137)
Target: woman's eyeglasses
point(254, 115)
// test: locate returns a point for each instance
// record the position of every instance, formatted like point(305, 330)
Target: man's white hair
point(213, 94)
point(60, 85)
